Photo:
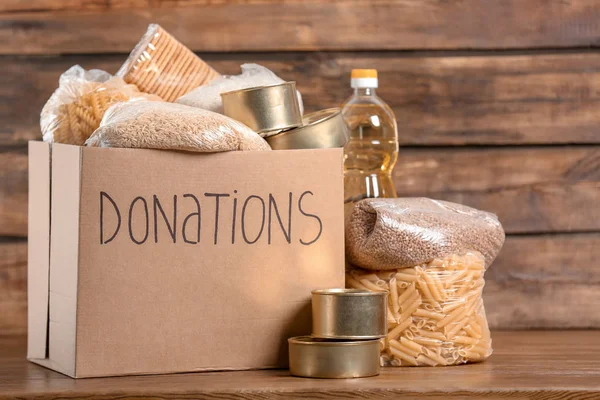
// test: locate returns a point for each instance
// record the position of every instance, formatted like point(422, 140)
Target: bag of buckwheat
point(431, 257)
point(170, 126)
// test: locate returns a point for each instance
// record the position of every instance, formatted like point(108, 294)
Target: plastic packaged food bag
point(76, 108)
point(208, 96)
point(435, 311)
point(159, 64)
point(431, 256)
point(161, 125)
point(404, 232)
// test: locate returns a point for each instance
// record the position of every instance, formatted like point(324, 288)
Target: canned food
point(264, 109)
point(349, 314)
point(326, 358)
point(321, 129)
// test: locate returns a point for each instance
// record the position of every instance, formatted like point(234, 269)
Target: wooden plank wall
point(498, 104)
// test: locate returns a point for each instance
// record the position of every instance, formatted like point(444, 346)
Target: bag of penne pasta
point(435, 312)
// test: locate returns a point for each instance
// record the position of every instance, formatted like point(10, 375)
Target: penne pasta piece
point(353, 283)
point(437, 358)
point(393, 297)
point(432, 335)
point(421, 323)
point(428, 314)
point(394, 333)
point(452, 330)
point(410, 271)
point(403, 356)
point(472, 332)
point(370, 277)
point(411, 344)
point(408, 292)
point(464, 340)
point(371, 286)
point(382, 284)
point(428, 342)
point(409, 335)
point(432, 287)
point(410, 309)
point(409, 302)
point(423, 359)
point(451, 306)
point(401, 276)
point(402, 285)
point(397, 345)
point(413, 329)
point(390, 317)
point(427, 294)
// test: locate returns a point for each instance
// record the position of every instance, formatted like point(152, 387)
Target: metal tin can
point(265, 108)
point(349, 314)
point(324, 358)
point(321, 129)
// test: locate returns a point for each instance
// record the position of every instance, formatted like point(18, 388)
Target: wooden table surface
point(525, 365)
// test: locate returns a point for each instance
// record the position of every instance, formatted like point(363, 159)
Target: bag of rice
point(161, 125)
point(76, 108)
point(431, 257)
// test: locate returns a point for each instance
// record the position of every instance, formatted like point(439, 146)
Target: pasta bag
point(171, 126)
point(159, 64)
point(208, 96)
point(75, 109)
point(435, 311)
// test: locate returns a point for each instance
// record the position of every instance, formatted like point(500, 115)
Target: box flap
point(64, 256)
point(38, 251)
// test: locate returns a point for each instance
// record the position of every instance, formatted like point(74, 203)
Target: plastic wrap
point(431, 256)
point(159, 64)
point(208, 97)
point(160, 125)
point(435, 311)
point(76, 108)
point(396, 233)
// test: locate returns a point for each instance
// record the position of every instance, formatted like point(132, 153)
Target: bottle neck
point(364, 91)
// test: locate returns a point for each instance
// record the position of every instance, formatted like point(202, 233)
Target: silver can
point(325, 358)
point(349, 314)
point(264, 109)
point(321, 129)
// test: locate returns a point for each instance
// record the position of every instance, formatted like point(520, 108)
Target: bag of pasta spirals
point(435, 311)
point(75, 109)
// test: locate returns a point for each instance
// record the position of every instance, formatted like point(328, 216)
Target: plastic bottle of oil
point(372, 151)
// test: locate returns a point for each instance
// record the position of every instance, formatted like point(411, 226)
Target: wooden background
point(498, 104)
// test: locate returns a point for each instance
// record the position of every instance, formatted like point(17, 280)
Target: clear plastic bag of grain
point(431, 256)
point(435, 311)
point(171, 126)
point(159, 64)
point(75, 109)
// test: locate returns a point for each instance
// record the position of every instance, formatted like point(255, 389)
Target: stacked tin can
point(274, 113)
point(345, 342)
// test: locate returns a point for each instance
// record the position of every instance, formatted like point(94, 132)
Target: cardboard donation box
point(147, 261)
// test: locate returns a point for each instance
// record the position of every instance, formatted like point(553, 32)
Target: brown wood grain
point(13, 286)
point(530, 189)
point(545, 281)
point(538, 281)
point(451, 100)
point(538, 365)
point(306, 26)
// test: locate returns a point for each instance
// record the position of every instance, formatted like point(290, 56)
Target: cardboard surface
point(38, 251)
point(146, 296)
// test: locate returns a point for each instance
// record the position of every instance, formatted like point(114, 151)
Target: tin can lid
point(347, 292)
